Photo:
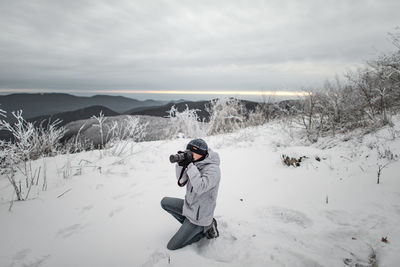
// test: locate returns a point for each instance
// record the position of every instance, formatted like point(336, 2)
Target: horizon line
point(177, 92)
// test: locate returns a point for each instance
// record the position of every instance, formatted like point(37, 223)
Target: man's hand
point(188, 157)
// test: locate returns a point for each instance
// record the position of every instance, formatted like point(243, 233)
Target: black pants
point(188, 233)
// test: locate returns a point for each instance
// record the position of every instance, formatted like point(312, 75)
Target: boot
point(212, 232)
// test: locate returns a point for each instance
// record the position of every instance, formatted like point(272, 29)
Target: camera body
point(181, 156)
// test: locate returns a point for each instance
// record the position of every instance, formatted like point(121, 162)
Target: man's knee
point(164, 201)
point(171, 246)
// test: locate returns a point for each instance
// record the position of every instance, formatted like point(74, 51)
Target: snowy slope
point(269, 214)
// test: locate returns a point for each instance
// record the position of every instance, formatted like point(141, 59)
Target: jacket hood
point(212, 158)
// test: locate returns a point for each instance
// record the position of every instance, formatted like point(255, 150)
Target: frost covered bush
point(78, 143)
point(22, 133)
point(120, 135)
point(185, 124)
point(368, 98)
point(100, 132)
point(129, 128)
point(259, 116)
point(226, 115)
point(100, 122)
point(230, 114)
point(114, 131)
point(46, 141)
point(29, 143)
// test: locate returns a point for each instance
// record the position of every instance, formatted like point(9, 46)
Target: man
point(199, 171)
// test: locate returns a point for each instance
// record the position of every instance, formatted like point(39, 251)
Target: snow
point(107, 212)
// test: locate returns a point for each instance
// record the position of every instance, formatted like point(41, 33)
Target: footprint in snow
point(285, 215)
point(86, 208)
point(339, 217)
point(22, 254)
point(98, 186)
point(136, 194)
point(21, 259)
point(225, 248)
point(156, 257)
point(70, 230)
point(114, 211)
point(120, 195)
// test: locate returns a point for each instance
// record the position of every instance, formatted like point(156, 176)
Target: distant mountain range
point(34, 105)
point(47, 105)
point(157, 111)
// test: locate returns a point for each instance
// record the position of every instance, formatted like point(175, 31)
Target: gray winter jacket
point(201, 189)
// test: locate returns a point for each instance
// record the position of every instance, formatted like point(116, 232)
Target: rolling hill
point(34, 105)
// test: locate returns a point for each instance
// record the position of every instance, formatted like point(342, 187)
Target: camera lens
point(173, 158)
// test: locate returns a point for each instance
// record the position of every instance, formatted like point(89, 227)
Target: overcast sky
point(83, 46)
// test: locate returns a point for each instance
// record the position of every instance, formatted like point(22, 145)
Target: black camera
point(181, 156)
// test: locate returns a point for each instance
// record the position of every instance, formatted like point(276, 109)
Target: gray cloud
point(185, 45)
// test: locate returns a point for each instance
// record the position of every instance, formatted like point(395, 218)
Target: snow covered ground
point(324, 213)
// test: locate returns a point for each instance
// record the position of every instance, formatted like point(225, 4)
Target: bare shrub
point(384, 157)
point(311, 115)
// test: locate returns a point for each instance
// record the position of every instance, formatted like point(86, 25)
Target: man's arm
point(203, 182)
